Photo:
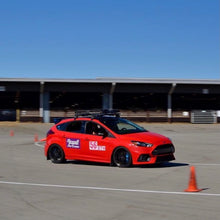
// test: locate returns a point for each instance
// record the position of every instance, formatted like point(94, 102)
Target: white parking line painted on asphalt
point(109, 189)
point(39, 144)
point(206, 164)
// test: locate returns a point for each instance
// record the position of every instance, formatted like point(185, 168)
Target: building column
point(41, 101)
point(107, 99)
point(44, 104)
point(169, 108)
point(169, 103)
point(46, 107)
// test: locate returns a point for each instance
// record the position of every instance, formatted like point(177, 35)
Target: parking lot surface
point(33, 188)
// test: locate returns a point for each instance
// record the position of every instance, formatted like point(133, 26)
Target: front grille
point(165, 158)
point(164, 149)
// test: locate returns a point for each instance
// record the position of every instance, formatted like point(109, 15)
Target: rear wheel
point(56, 154)
point(122, 157)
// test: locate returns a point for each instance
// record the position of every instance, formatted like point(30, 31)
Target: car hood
point(148, 137)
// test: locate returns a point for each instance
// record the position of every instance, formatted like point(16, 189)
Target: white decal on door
point(93, 145)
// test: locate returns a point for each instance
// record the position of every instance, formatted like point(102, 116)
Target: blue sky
point(110, 38)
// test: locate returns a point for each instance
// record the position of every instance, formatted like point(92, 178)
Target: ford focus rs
point(106, 137)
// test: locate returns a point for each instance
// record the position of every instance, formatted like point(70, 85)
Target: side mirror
point(104, 134)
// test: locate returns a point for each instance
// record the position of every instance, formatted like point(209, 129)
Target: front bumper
point(161, 153)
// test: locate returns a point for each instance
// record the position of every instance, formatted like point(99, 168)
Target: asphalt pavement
point(33, 188)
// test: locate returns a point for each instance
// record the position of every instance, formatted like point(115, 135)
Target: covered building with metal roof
point(138, 98)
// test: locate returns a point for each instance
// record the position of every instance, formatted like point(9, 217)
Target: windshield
point(121, 126)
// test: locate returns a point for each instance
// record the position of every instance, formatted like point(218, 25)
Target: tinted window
point(62, 127)
point(74, 126)
point(94, 128)
point(121, 126)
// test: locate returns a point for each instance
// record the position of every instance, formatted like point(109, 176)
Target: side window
point(62, 127)
point(94, 129)
point(74, 126)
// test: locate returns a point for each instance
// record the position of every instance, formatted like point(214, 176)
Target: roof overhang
point(117, 80)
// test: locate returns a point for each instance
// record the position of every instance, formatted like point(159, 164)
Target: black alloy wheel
point(122, 157)
point(56, 154)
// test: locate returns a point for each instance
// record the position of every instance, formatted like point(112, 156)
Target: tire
point(122, 157)
point(56, 154)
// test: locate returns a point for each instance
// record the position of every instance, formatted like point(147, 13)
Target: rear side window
point(62, 127)
point(73, 126)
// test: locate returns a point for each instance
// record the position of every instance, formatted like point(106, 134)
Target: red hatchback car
point(106, 137)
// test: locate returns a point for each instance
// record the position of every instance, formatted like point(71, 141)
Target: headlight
point(141, 144)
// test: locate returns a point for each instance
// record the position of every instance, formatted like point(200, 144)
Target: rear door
point(73, 137)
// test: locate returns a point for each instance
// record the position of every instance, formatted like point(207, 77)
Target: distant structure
point(151, 100)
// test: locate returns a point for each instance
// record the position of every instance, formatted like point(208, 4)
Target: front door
point(98, 143)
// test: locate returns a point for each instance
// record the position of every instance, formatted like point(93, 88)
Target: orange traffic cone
point(192, 181)
point(35, 138)
point(11, 133)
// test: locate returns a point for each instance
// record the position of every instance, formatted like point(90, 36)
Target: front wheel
point(122, 157)
point(56, 154)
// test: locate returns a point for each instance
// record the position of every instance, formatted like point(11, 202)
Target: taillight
point(50, 132)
